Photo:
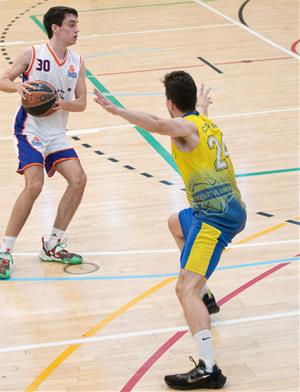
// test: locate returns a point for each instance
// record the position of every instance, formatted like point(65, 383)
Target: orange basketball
point(41, 100)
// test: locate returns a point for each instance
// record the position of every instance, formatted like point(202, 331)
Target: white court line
point(256, 113)
point(96, 130)
point(145, 332)
point(131, 94)
point(138, 94)
point(11, 43)
point(87, 131)
point(154, 251)
point(244, 27)
point(159, 30)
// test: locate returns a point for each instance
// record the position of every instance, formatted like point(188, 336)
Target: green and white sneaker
point(59, 254)
point(6, 262)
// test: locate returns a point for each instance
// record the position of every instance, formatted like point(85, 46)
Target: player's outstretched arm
point(204, 100)
point(21, 63)
point(176, 127)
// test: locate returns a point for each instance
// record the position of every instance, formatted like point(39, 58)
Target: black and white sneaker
point(197, 378)
point(210, 303)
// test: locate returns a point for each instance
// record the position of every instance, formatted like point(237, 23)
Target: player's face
point(68, 31)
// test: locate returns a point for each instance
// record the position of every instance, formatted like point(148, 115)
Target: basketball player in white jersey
point(41, 141)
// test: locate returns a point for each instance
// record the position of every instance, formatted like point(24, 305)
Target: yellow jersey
point(207, 171)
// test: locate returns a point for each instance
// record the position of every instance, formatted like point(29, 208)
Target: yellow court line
point(265, 231)
point(67, 352)
point(262, 232)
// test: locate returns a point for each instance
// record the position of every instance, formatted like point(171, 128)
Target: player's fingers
point(28, 85)
point(98, 101)
point(207, 91)
point(97, 92)
point(25, 90)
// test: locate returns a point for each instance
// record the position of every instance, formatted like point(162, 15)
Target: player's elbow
point(4, 80)
point(82, 105)
point(161, 127)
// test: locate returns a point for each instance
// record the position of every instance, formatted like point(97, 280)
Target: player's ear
point(55, 28)
point(169, 104)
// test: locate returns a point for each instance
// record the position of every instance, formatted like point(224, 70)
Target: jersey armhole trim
point(27, 71)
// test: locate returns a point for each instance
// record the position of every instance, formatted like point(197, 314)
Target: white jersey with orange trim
point(63, 75)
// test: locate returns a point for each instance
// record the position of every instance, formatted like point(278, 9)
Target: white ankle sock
point(204, 290)
point(204, 347)
point(8, 244)
point(54, 238)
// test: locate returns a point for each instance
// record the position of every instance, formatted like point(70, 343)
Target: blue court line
point(149, 276)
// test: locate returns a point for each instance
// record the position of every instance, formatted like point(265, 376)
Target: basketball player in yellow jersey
point(215, 216)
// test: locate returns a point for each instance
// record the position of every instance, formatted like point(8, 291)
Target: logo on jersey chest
point(72, 72)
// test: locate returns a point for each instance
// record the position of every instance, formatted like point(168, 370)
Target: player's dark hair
point(56, 15)
point(181, 90)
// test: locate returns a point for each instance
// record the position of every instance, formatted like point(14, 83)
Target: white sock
point(204, 347)
point(54, 238)
point(205, 290)
point(8, 244)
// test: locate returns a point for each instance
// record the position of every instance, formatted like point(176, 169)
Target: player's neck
point(58, 47)
point(176, 113)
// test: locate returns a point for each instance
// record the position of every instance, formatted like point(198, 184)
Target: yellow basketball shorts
point(204, 241)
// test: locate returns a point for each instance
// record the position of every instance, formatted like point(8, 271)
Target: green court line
point(268, 172)
point(38, 22)
point(148, 136)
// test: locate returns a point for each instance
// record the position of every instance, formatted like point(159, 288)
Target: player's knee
point(185, 289)
point(79, 182)
point(178, 289)
point(34, 187)
point(83, 180)
point(173, 223)
point(181, 289)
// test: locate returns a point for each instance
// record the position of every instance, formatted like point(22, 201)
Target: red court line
point(169, 343)
point(294, 46)
point(148, 364)
point(193, 66)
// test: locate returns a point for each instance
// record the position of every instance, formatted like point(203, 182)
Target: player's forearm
point(7, 86)
point(78, 105)
point(144, 120)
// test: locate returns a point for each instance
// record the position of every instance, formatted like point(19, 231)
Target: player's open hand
point(204, 99)
point(24, 89)
point(104, 102)
point(59, 105)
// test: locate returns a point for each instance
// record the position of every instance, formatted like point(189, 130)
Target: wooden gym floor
point(127, 308)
